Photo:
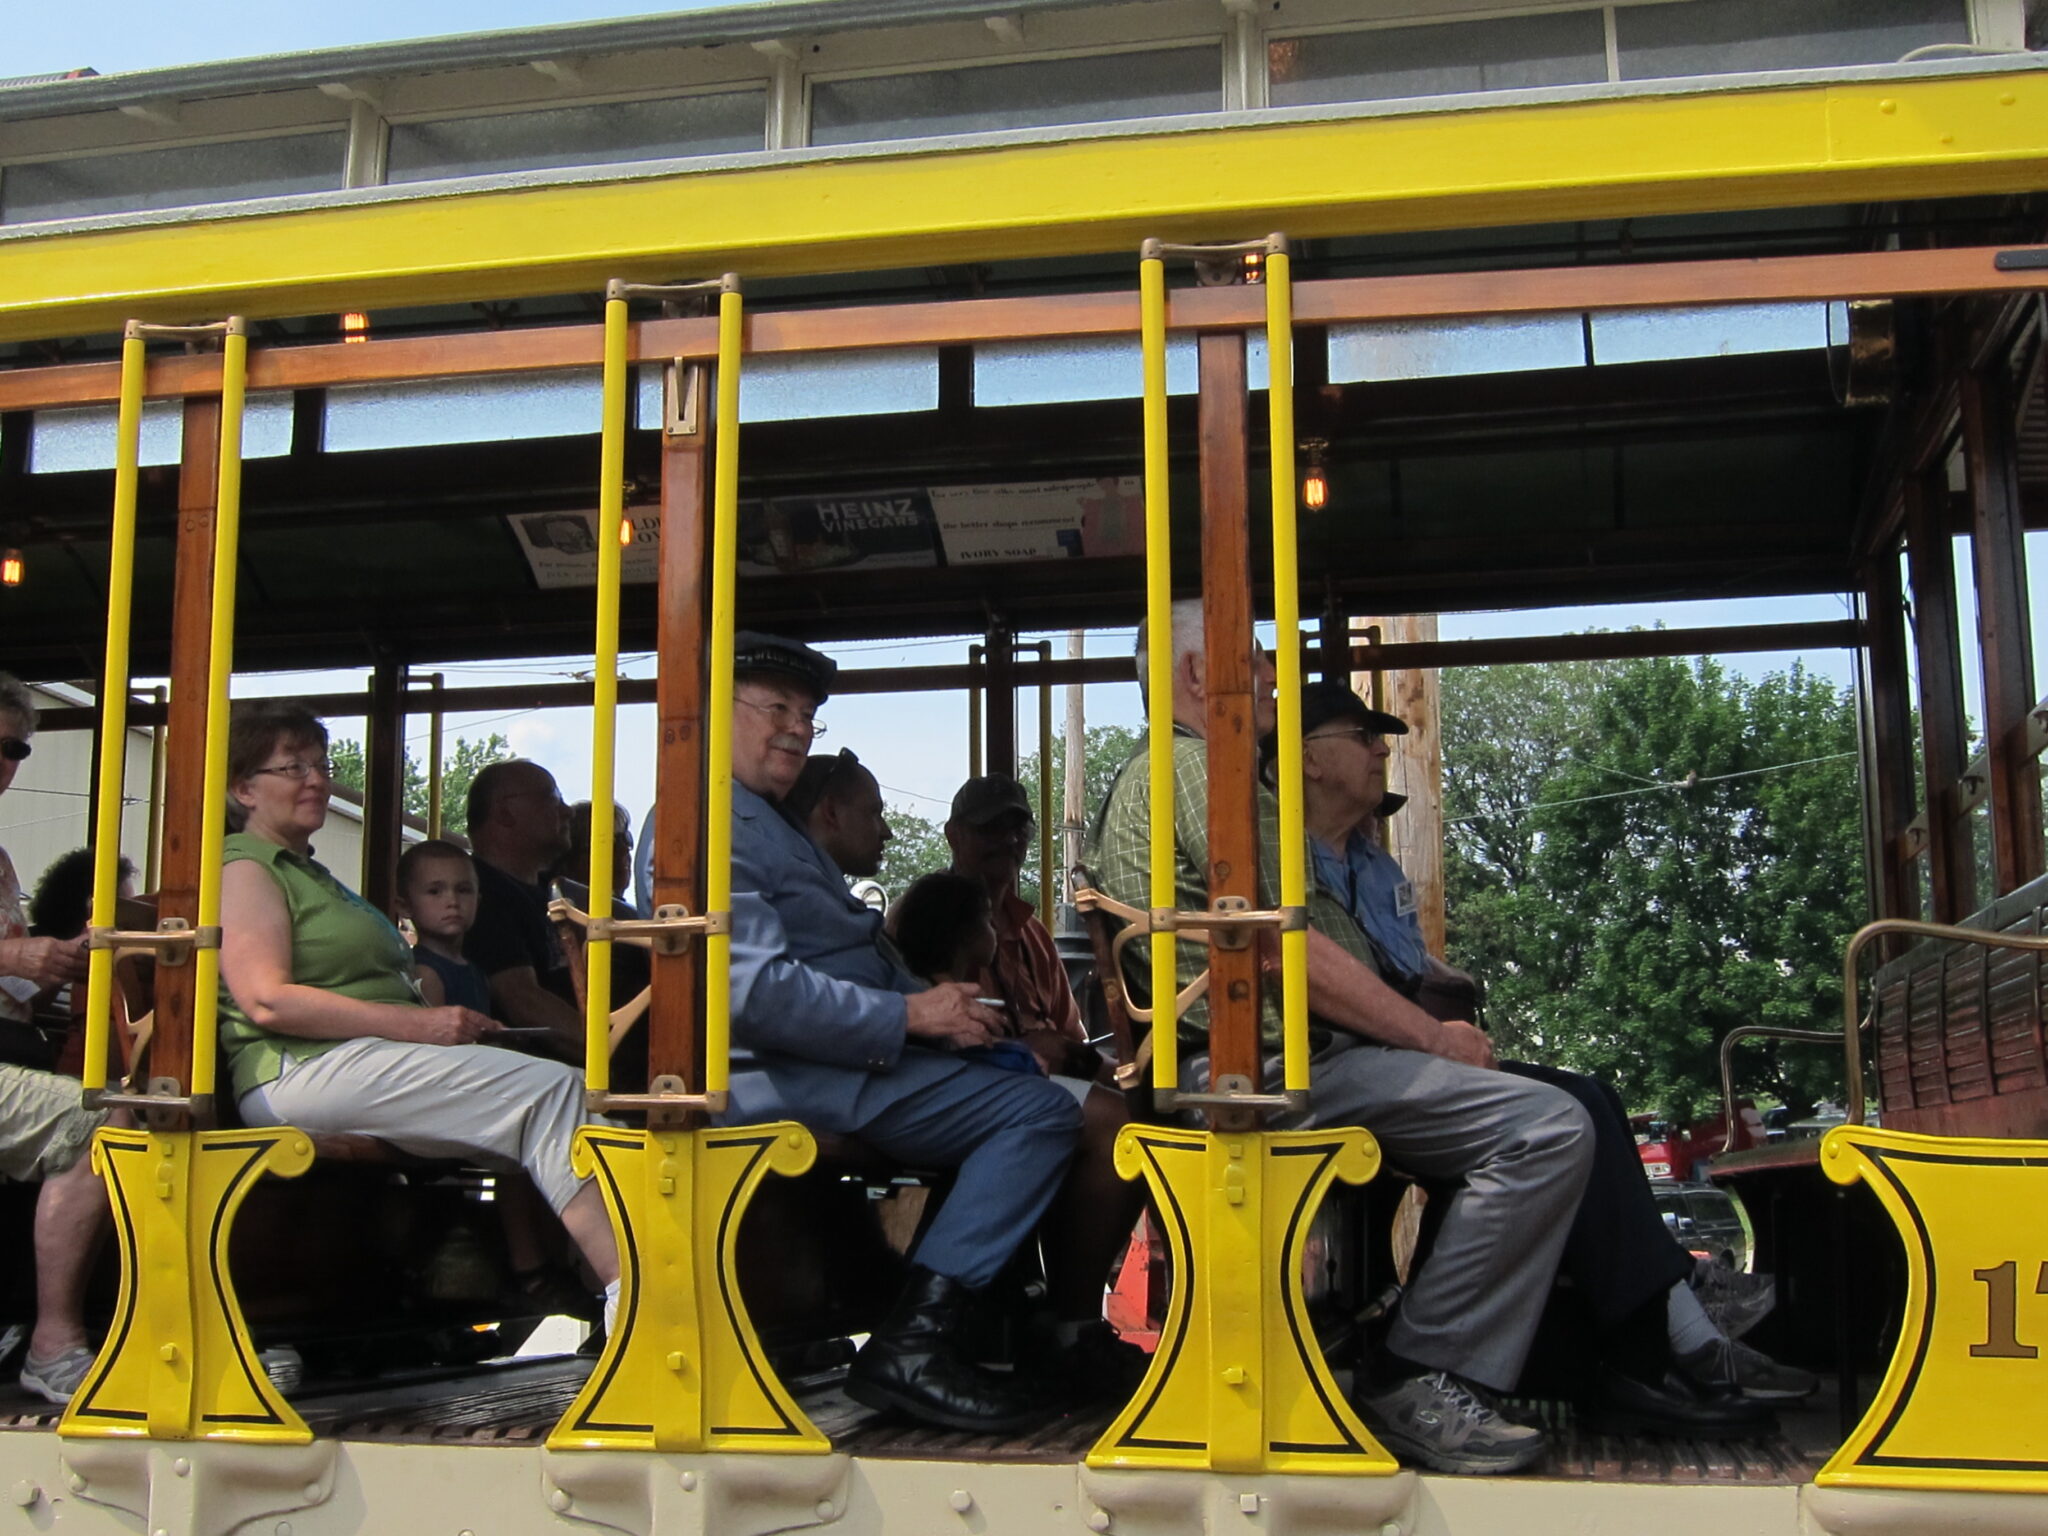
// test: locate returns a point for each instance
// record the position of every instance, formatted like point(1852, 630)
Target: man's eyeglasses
point(14, 749)
point(1371, 739)
point(297, 769)
point(787, 718)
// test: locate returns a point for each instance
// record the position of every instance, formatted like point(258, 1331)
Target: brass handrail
point(1752, 1032)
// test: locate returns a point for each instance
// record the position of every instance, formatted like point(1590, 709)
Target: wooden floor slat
point(518, 1402)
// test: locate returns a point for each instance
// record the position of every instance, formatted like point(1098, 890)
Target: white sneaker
point(56, 1378)
point(1444, 1424)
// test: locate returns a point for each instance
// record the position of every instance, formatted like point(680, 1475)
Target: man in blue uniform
point(830, 1030)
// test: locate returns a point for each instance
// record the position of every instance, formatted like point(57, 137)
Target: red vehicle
point(1675, 1152)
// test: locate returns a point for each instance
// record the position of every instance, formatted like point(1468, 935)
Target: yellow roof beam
point(1713, 149)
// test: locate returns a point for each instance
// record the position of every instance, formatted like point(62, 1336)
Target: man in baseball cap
point(1665, 1365)
point(989, 831)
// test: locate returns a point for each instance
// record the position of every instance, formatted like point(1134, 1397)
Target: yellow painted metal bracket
point(1960, 1405)
point(683, 1369)
point(1238, 1383)
point(178, 1363)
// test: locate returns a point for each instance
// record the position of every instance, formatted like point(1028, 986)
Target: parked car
point(1705, 1220)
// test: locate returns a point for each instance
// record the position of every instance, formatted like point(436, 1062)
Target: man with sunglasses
point(830, 1030)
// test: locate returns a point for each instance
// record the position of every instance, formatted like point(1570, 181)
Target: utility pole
point(1415, 835)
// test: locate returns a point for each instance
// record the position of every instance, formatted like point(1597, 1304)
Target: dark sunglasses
point(14, 749)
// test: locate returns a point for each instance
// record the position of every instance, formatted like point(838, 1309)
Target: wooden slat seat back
point(1958, 1040)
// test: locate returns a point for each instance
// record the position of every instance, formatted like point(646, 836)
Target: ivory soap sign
point(1040, 520)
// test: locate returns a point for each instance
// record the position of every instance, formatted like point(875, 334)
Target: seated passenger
point(829, 1029)
point(62, 904)
point(575, 864)
point(437, 895)
point(942, 928)
point(45, 1133)
point(989, 830)
point(837, 801)
point(62, 909)
point(322, 1023)
point(30, 965)
point(1424, 1089)
point(519, 830)
point(1668, 1368)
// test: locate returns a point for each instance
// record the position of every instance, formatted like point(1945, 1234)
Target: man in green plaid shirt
point(1427, 1090)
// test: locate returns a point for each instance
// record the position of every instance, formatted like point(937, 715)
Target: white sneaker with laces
point(57, 1377)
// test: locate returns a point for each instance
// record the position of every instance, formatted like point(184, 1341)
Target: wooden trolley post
point(683, 1369)
point(1237, 1383)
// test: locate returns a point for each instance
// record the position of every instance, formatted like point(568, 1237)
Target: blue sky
point(119, 35)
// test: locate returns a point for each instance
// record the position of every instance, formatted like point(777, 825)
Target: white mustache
point(789, 742)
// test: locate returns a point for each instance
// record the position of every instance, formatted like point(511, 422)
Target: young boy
point(437, 891)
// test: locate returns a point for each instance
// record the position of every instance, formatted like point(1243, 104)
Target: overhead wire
point(1689, 782)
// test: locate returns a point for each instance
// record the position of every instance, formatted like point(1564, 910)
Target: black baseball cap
point(986, 798)
point(1327, 703)
point(755, 654)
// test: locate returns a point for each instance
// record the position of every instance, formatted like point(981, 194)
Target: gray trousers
point(477, 1102)
point(1519, 1152)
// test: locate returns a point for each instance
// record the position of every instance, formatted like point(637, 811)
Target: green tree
point(1685, 857)
point(917, 846)
point(461, 766)
point(1106, 749)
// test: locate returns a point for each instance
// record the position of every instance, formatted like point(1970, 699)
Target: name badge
point(1404, 899)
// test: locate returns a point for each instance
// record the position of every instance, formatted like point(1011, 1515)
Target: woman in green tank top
point(320, 1015)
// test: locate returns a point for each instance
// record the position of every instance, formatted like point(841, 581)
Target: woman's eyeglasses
point(295, 769)
point(14, 749)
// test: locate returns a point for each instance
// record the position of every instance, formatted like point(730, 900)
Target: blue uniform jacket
point(817, 1003)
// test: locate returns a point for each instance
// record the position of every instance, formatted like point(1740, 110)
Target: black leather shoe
point(1673, 1405)
point(912, 1365)
point(1098, 1367)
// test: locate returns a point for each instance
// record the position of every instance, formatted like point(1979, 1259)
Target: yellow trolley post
point(1237, 1383)
point(178, 1363)
point(683, 1369)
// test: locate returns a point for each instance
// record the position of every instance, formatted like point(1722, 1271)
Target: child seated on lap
point(943, 929)
point(437, 891)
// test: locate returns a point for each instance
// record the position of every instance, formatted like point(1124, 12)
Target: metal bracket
point(668, 931)
point(619, 288)
point(164, 1105)
point(188, 1488)
point(682, 398)
point(1232, 1091)
point(172, 941)
point(1222, 265)
point(2032, 260)
point(234, 325)
point(666, 1097)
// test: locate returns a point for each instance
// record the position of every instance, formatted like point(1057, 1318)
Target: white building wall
point(48, 811)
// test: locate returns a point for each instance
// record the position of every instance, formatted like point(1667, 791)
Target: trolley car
point(1032, 255)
